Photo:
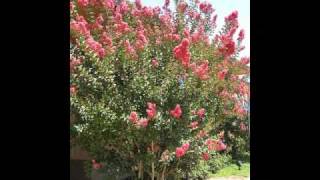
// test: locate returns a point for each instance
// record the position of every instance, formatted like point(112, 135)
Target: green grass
point(233, 170)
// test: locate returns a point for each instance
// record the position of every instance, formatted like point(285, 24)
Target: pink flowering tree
point(150, 86)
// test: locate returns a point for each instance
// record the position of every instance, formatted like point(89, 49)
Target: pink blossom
point(156, 10)
point(138, 4)
point(105, 39)
point(186, 32)
point(143, 122)
point(228, 46)
point(202, 133)
point(202, 70)
point(222, 74)
point(109, 4)
point(80, 25)
point(241, 35)
point(73, 63)
point(216, 145)
point(73, 90)
point(243, 127)
point(96, 165)
point(124, 7)
point(231, 32)
point(176, 112)
point(185, 146)
point(182, 6)
point(72, 6)
point(147, 12)
point(220, 146)
point(201, 112)
point(214, 21)
point(181, 52)
point(141, 40)
point(232, 19)
point(239, 110)
point(129, 49)
point(122, 27)
point(206, 7)
point(194, 125)
point(95, 46)
point(167, 2)
point(244, 60)
point(180, 152)
point(83, 3)
point(155, 63)
point(165, 19)
point(151, 110)
point(133, 117)
point(205, 156)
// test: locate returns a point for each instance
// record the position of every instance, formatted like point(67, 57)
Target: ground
point(232, 173)
point(230, 178)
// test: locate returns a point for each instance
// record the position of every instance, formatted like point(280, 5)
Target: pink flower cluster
point(95, 47)
point(120, 26)
point(172, 37)
point(201, 113)
point(216, 145)
point(176, 112)
point(228, 46)
point(143, 122)
point(98, 23)
point(80, 25)
point(205, 156)
point(245, 60)
point(130, 51)
point(123, 8)
point(105, 39)
point(194, 125)
point(222, 74)
point(73, 90)
point(206, 7)
point(138, 4)
point(151, 110)
point(182, 6)
point(239, 110)
point(202, 70)
point(232, 19)
point(167, 2)
point(96, 165)
point(181, 151)
point(181, 52)
point(141, 40)
point(243, 127)
point(194, 15)
point(241, 35)
point(201, 134)
point(83, 3)
point(72, 6)
point(73, 63)
point(109, 4)
point(154, 63)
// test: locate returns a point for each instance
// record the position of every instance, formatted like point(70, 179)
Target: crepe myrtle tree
point(150, 86)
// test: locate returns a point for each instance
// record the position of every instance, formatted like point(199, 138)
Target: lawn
point(233, 170)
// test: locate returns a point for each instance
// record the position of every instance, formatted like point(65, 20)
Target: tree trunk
point(140, 174)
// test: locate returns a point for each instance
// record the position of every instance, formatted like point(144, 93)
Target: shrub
point(149, 87)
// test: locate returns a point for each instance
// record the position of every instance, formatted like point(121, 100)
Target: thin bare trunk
point(152, 164)
point(140, 173)
point(163, 173)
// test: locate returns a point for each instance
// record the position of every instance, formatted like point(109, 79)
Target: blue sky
point(223, 8)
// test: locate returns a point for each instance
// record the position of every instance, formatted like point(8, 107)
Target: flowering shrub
point(150, 86)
